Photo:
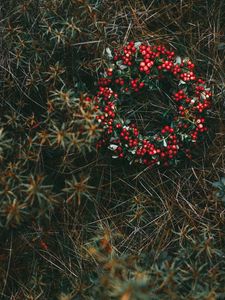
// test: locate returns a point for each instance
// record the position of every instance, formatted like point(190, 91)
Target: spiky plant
point(44, 124)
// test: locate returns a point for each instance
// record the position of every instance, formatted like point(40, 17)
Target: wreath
point(136, 71)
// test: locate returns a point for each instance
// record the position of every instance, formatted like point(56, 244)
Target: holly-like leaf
point(109, 53)
point(178, 60)
point(113, 147)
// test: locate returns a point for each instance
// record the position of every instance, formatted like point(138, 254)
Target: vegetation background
point(74, 223)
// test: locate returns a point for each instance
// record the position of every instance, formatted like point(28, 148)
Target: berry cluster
point(136, 85)
point(136, 67)
point(128, 54)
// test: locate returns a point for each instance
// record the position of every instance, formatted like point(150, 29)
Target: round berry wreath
point(138, 67)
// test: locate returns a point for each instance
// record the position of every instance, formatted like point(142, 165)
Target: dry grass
point(127, 212)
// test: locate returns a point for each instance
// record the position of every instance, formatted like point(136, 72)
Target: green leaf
point(178, 60)
point(109, 53)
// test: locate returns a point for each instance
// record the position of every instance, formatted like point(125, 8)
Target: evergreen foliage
point(76, 224)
